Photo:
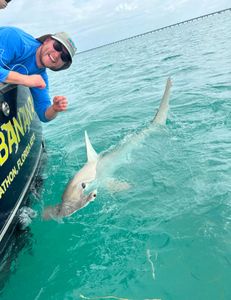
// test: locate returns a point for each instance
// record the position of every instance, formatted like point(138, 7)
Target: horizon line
point(157, 29)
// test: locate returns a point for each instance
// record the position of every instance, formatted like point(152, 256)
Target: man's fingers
point(60, 103)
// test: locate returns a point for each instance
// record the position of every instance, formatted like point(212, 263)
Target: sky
point(93, 23)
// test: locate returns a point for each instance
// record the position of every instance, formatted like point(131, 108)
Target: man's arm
point(27, 80)
point(36, 81)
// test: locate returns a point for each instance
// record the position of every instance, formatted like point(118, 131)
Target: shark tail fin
point(91, 154)
point(162, 113)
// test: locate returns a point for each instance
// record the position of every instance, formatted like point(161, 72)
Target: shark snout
point(85, 190)
point(92, 195)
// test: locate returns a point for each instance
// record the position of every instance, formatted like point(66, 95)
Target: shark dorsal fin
point(161, 115)
point(91, 154)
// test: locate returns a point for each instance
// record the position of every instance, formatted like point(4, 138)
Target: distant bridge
point(162, 28)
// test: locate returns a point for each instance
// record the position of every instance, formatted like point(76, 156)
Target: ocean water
point(168, 236)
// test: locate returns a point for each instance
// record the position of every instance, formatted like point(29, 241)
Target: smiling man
point(24, 59)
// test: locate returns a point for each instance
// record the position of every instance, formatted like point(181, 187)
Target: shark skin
point(67, 208)
point(74, 197)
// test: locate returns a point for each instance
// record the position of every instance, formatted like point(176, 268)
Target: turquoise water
point(169, 235)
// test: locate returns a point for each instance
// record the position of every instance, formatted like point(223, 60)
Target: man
point(24, 59)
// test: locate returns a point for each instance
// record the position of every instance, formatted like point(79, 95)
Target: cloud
point(173, 6)
point(126, 7)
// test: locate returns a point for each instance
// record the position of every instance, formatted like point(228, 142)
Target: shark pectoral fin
point(51, 212)
point(91, 153)
point(67, 211)
point(114, 185)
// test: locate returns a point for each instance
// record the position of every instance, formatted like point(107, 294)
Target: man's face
point(48, 57)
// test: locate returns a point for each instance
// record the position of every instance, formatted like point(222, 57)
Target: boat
point(21, 149)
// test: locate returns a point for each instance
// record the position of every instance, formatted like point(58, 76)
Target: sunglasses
point(60, 48)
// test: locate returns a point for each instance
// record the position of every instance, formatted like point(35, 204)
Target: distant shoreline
point(159, 29)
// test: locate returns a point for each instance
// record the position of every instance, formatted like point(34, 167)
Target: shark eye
point(83, 185)
point(94, 195)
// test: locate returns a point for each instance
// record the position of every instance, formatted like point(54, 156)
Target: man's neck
point(38, 58)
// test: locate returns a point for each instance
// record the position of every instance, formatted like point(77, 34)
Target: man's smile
point(52, 58)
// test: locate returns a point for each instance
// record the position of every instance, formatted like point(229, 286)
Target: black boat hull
point(21, 149)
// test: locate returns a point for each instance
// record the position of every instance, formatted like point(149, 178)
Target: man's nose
point(56, 54)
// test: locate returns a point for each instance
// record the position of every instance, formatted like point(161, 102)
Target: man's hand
point(59, 103)
point(35, 81)
point(3, 4)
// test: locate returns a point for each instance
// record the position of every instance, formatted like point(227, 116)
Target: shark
point(74, 196)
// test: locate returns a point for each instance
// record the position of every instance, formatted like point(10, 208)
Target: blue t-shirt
point(18, 53)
